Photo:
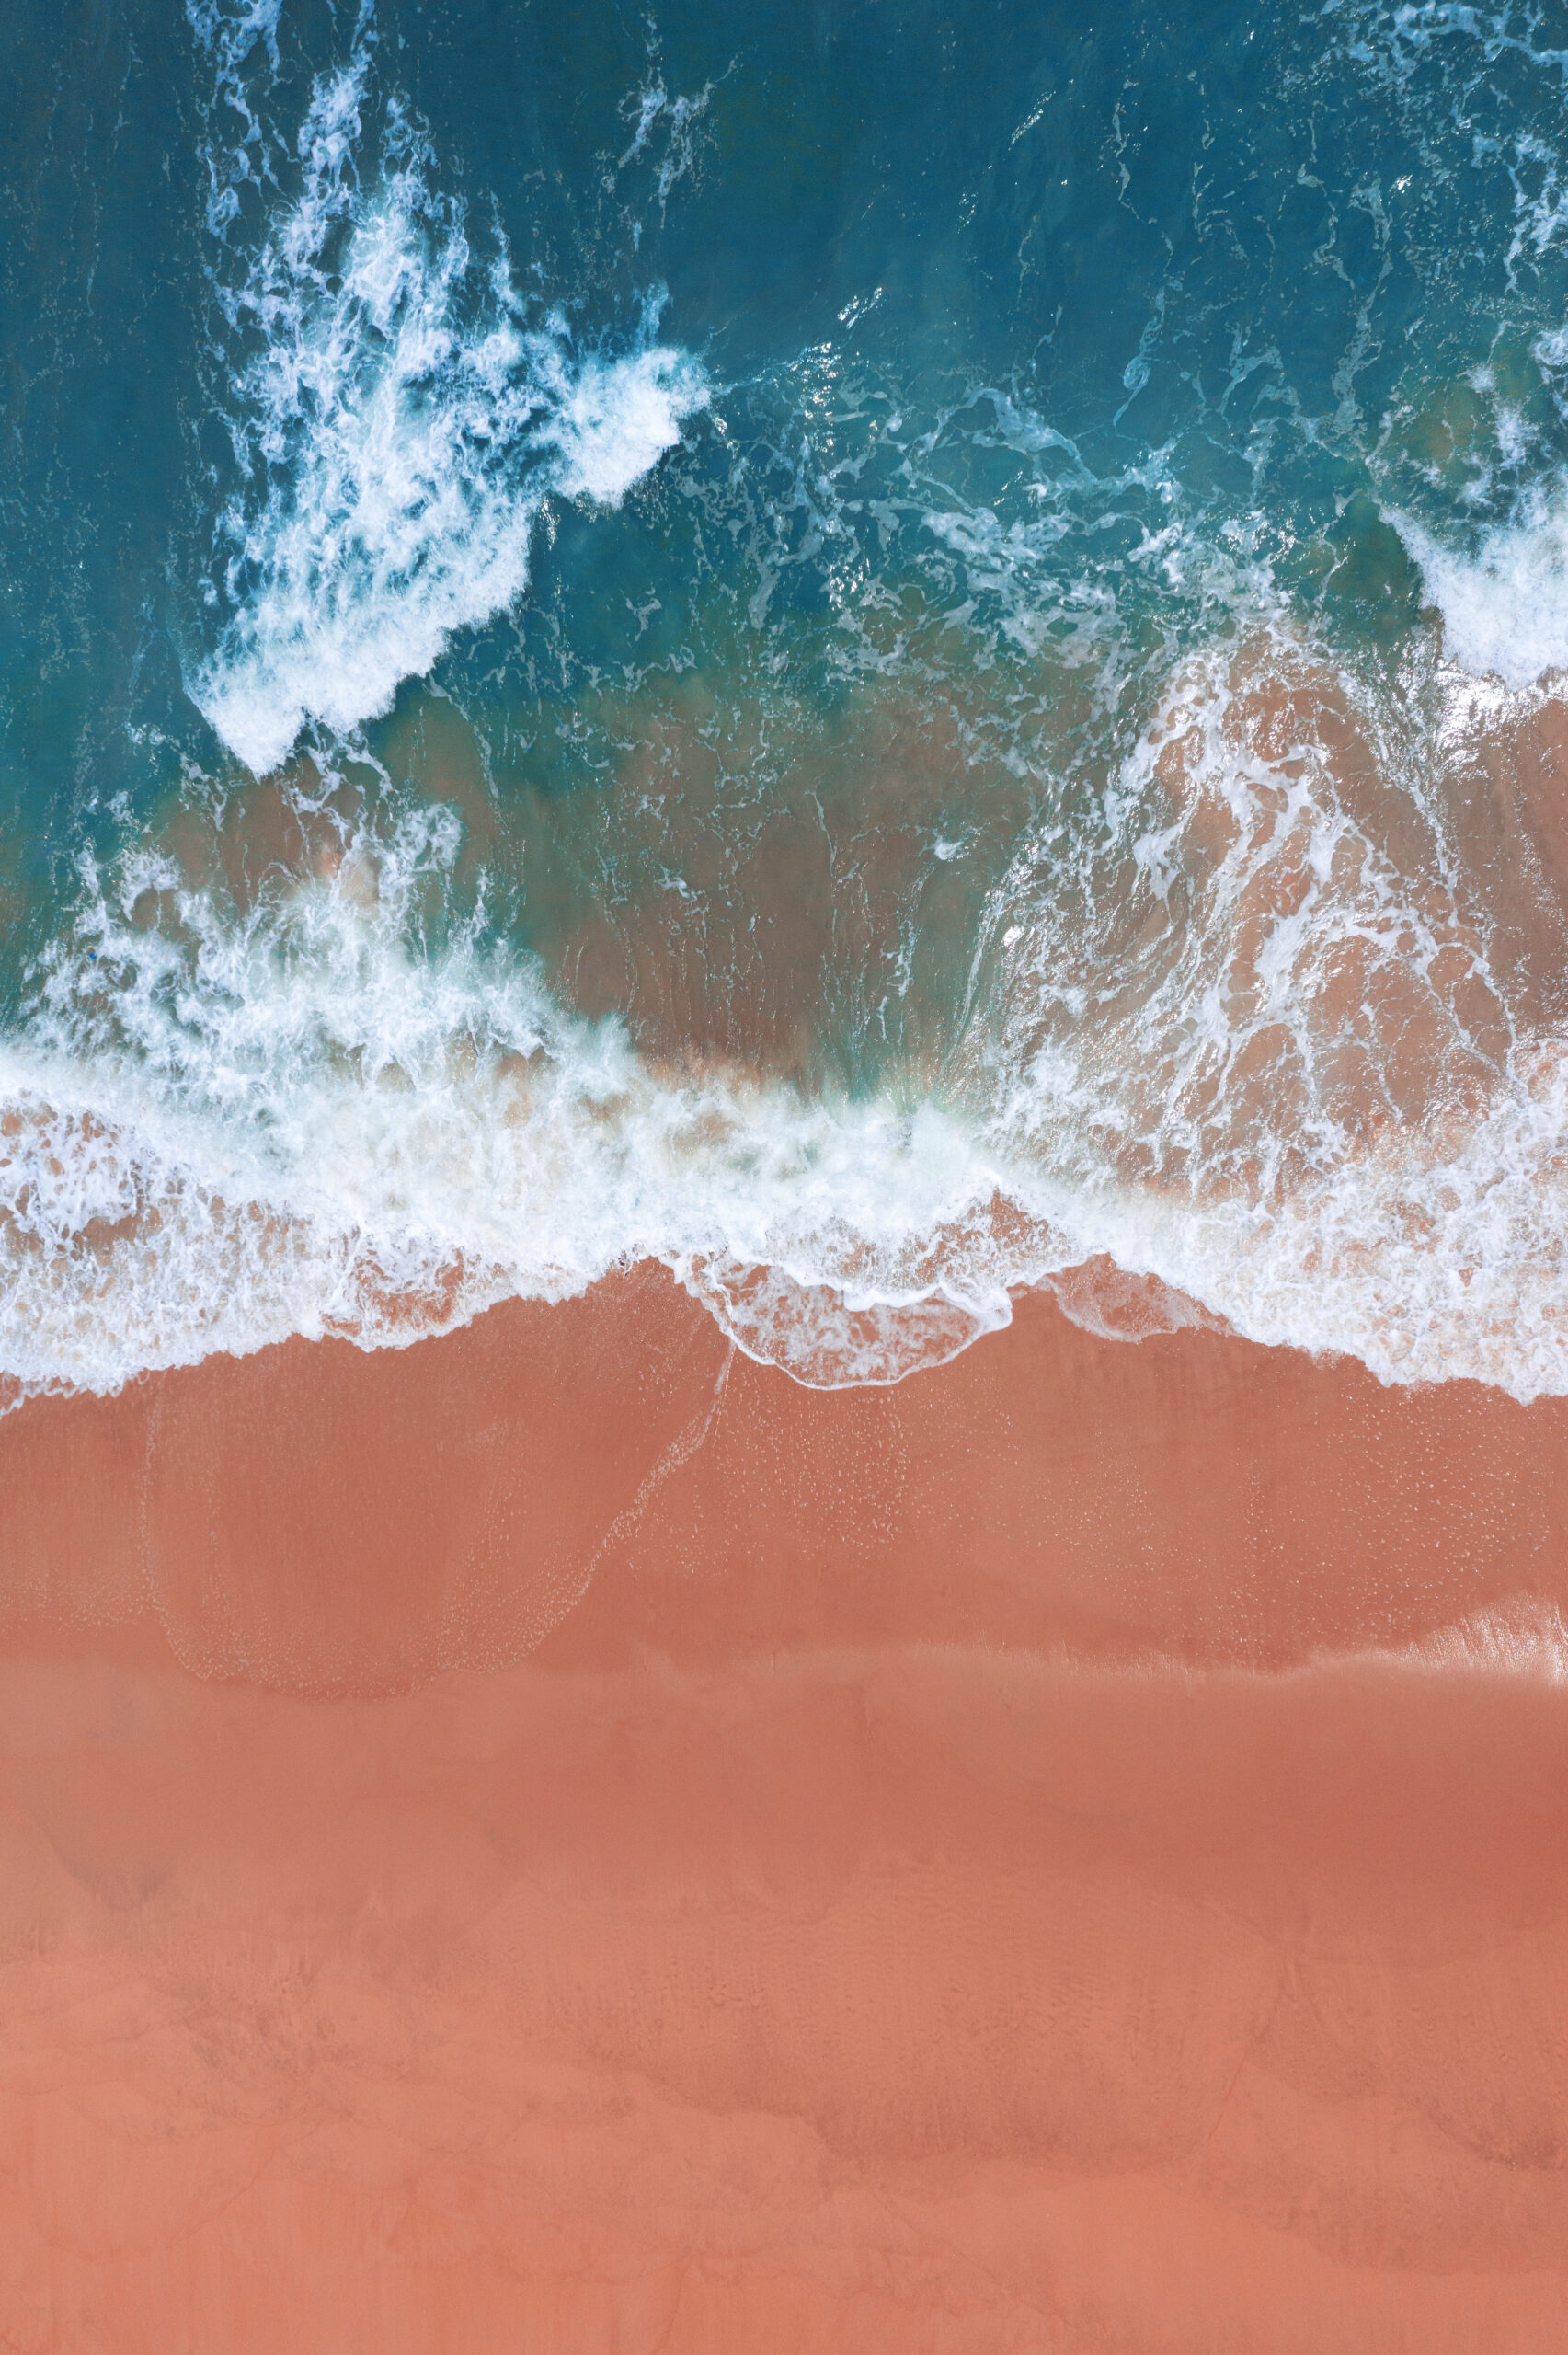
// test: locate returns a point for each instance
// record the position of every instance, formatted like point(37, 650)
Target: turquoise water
point(876, 652)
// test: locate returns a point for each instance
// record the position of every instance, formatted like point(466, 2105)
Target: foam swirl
point(399, 424)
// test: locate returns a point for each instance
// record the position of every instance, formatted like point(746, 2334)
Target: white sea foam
point(400, 425)
point(299, 1122)
point(220, 1130)
point(1234, 1054)
point(1260, 1036)
point(1524, 1641)
point(1505, 606)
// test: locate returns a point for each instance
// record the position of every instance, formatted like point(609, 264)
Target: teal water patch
point(891, 599)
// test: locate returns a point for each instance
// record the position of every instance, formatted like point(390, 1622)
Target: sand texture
point(559, 1842)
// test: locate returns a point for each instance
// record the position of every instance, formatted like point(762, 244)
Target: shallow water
point(877, 656)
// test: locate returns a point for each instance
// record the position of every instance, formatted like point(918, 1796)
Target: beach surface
point(560, 1838)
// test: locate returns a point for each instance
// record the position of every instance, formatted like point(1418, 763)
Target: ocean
point(891, 656)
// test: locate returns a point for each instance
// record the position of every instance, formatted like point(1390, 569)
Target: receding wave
point(1261, 1052)
point(219, 1134)
point(1242, 945)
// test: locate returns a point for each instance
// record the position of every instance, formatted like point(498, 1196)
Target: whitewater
point(222, 1128)
point(1257, 1024)
point(399, 432)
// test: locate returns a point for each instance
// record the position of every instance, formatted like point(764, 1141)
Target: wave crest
point(398, 426)
point(226, 1124)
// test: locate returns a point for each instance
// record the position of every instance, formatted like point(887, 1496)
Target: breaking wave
point(1263, 1026)
point(398, 425)
point(1258, 1051)
point(1504, 602)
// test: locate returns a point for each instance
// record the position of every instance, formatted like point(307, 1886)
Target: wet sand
point(557, 1839)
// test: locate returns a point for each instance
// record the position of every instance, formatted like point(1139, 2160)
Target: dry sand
point(557, 1841)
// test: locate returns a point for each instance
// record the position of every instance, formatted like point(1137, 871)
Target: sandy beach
point(560, 1838)
point(784, 1177)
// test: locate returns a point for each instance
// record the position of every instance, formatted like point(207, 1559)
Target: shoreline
point(1191, 1496)
point(1018, 1860)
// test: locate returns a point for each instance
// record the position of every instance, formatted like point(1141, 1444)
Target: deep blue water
point(861, 648)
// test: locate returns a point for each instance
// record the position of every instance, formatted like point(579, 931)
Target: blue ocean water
point(878, 652)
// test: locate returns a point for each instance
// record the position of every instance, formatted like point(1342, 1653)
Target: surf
point(400, 419)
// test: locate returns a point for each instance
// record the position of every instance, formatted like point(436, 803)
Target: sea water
point(887, 654)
